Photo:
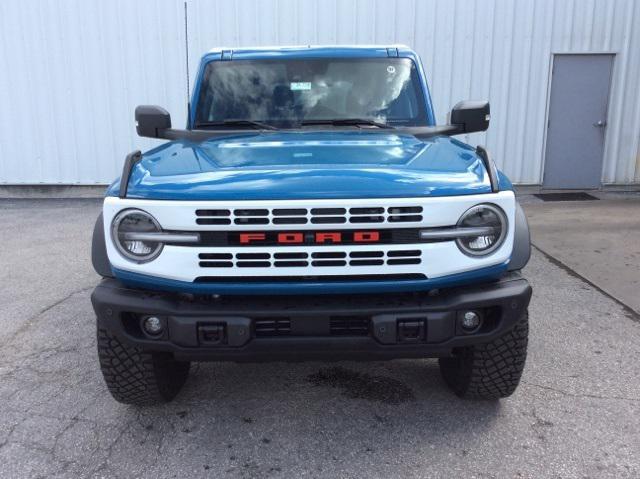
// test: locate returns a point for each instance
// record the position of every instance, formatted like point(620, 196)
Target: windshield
point(290, 93)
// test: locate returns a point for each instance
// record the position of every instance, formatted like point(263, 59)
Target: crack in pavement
point(29, 322)
point(579, 395)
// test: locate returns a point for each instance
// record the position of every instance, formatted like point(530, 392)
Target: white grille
point(435, 259)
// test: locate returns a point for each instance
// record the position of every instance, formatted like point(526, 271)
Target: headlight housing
point(126, 230)
point(489, 218)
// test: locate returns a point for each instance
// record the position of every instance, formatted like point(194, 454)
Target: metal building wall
point(71, 74)
point(68, 88)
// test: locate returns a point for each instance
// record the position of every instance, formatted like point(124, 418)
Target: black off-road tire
point(137, 377)
point(491, 370)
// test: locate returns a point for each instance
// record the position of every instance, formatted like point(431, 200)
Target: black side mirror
point(151, 119)
point(470, 116)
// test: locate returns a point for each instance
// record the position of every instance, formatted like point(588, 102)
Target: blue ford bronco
point(311, 210)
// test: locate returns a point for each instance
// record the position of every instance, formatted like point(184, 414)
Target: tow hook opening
point(211, 333)
point(411, 330)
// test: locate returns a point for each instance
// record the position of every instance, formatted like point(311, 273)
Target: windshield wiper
point(347, 122)
point(247, 123)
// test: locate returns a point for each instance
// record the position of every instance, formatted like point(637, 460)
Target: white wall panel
point(71, 74)
point(72, 71)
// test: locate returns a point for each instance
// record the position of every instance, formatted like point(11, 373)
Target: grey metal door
point(577, 121)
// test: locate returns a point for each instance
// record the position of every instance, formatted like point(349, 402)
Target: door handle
point(600, 124)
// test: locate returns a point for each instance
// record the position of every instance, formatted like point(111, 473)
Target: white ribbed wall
point(71, 74)
point(72, 71)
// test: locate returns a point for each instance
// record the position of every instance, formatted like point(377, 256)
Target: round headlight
point(491, 221)
point(124, 229)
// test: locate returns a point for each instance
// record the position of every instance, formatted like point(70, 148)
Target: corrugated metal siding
point(71, 74)
point(71, 84)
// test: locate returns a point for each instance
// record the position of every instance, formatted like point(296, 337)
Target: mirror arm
point(424, 132)
point(200, 135)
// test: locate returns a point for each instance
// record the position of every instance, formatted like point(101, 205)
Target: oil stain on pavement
point(357, 385)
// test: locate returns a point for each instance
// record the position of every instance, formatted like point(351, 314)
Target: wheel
point(491, 370)
point(137, 377)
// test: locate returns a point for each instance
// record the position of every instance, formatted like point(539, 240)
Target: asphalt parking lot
point(576, 413)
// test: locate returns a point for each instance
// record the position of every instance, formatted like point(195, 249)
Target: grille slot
point(365, 262)
point(398, 261)
point(213, 221)
point(404, 218)
point(367, 211)
point(290, 212)
point(268, 327)
point(215, 256)
point(328, 263)
point(290, 255)
point(328, 211)
point(327, 220)
point(253, 264)
point(251, 221)
point(213, 212)
point(332, 254)
point(349, 325)
point(366, 254)
point(366, 219)
point(290, 221)
point(253, 256)
point(216, 264)
point(403, 210)
point(411, 252)
point(254, 212)
point(290, 264)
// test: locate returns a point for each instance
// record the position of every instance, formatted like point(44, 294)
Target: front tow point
point(399, 328)
point(410, 330)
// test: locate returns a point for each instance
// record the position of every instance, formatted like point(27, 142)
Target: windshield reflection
point(285, 93)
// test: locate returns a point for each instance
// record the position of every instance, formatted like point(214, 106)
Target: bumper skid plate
point(259, 328)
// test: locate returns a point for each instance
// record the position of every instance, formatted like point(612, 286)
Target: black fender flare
point(99, 257)
point(521, 241)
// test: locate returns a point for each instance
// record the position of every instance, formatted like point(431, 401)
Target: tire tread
point(490, 370)
point(137, 377)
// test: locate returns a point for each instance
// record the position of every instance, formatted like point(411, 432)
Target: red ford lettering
point(246, 238)
point(326, 237)
point(290, 238)
point(366, 236)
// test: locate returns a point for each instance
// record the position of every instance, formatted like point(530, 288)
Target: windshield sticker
point(391, 69)
point(300, 85)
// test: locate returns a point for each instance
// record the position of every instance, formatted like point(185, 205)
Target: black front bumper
point(258, 328)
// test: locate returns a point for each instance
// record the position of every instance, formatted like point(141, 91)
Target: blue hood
point(308, 165)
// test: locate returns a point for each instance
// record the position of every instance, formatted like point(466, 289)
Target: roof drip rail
point(490, 166)
point(130, 161)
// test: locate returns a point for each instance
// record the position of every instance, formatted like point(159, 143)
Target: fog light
point(470, 320)
point(152, 325)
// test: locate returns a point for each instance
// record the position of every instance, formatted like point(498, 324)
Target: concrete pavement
point(599, 240)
